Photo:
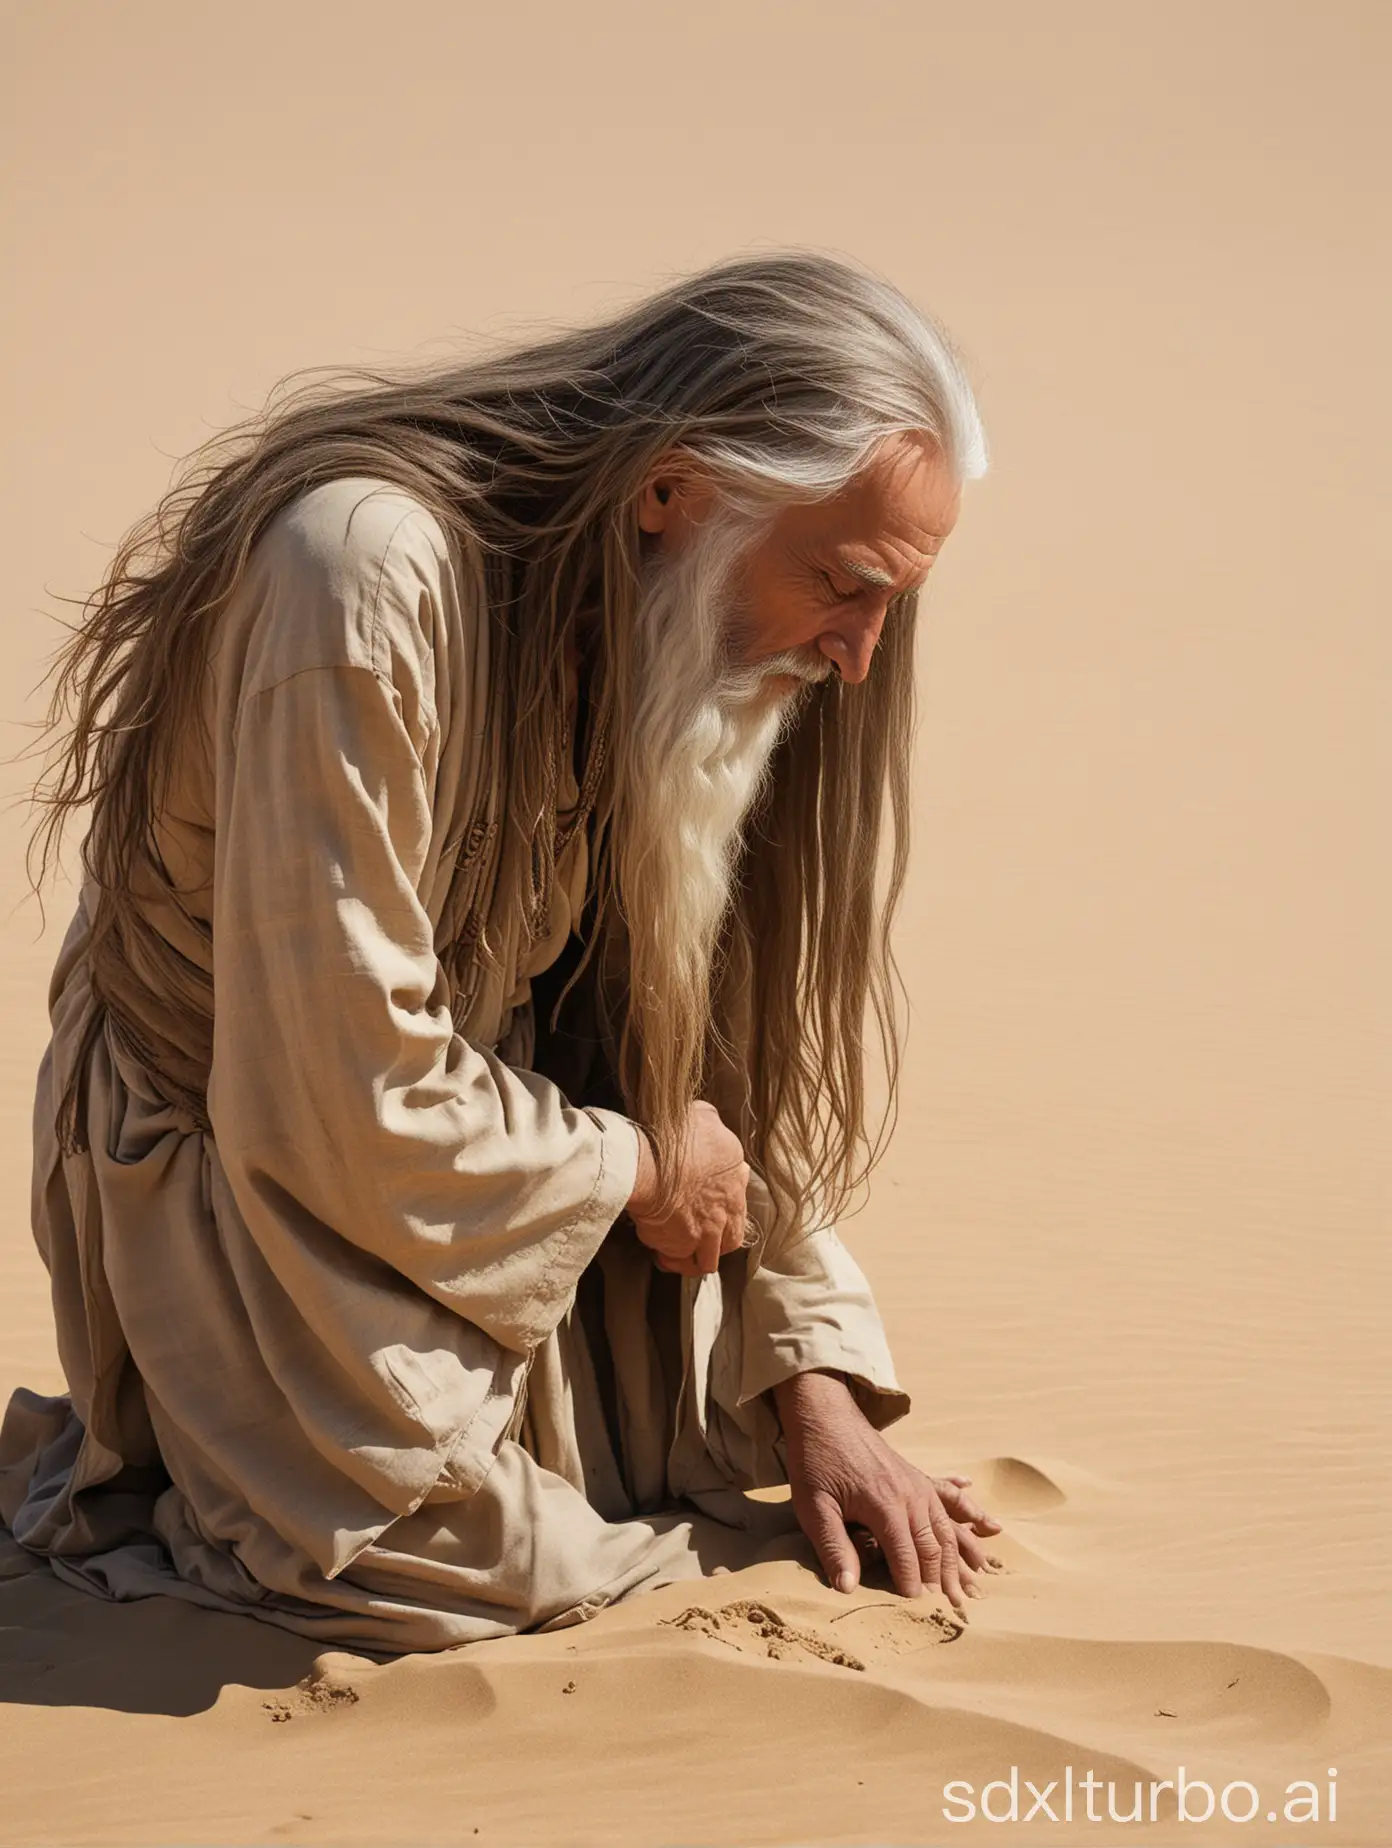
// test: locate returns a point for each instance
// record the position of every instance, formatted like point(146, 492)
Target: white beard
point(702, 737)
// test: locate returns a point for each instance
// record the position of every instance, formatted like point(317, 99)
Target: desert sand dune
point(829, 1720)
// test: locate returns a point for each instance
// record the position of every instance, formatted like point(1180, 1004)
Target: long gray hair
point(780, 375)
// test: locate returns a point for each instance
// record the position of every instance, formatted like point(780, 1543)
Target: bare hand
point(710, 1215)
point(843, 1473)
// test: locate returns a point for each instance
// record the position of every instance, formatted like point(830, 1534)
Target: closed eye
point(835, 591)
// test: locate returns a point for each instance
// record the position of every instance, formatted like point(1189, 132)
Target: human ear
point(676, 494)
point(655, 503)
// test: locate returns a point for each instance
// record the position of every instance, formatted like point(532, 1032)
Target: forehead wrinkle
point(910, 538)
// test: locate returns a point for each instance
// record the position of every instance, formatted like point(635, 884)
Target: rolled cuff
point(810, 1309)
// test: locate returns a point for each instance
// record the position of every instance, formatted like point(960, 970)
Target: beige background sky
point(1136, 1214)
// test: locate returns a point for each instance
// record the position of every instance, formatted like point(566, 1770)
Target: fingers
point(970, 1550)
point(699, 1263)
point(710, 1244)
point(961, 1507)
point(950, 1560)
point(677, 1267)
point(824, 1527)
point(710, 1218)
point(935, 1538)
point(891, 1527)
point(870, 1559)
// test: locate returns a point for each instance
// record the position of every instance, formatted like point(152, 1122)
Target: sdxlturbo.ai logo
point(1070, 1799)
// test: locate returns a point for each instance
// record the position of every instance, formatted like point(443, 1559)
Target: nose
point(850, 642)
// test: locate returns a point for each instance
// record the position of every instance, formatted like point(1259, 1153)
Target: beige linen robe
point(327, 1357)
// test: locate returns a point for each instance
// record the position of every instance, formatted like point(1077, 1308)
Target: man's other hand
point(710, 1215)
point(843, 1474)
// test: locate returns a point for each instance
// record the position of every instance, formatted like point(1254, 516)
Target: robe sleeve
point(342, 1100)
point(808, 1307)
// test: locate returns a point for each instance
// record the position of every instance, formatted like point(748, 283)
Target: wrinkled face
point(821, 580)
point(817, 586)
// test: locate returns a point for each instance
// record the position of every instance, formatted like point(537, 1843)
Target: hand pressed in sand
point(843, 1474)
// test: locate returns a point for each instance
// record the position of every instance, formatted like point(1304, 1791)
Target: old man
point(456, 1068)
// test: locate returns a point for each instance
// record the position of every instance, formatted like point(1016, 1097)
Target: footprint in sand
point(877, 1631)
point(751, 1628)
point(881, 1630)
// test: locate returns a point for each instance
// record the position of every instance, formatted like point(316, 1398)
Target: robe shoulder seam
point(418, 542)
point(380, 653)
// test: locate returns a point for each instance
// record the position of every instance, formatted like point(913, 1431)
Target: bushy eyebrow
point(868, 574)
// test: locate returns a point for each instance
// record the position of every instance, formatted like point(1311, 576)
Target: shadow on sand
point(63, 1646)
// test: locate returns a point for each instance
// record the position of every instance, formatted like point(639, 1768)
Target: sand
point(1131, 1237)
